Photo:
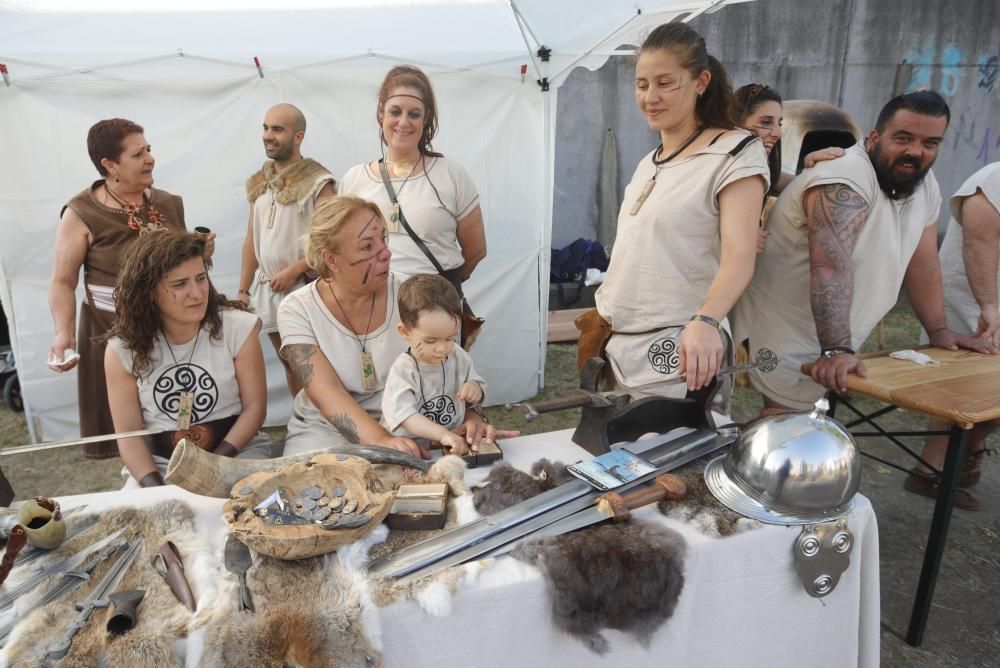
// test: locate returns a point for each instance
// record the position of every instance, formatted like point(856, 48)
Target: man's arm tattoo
point(299, 358)
point(835, 221)
point(345, 426)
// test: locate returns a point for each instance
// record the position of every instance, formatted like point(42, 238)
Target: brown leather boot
point(925, 485)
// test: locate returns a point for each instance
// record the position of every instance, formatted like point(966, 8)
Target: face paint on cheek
point(363, 260)
point(364, 279)
point(418, 348)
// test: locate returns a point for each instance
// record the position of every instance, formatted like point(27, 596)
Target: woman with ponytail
point(685, 247)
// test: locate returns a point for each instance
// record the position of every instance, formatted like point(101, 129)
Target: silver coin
point(246, 490)
point(320, 514)
point(308, 504)
point(312, 493)
point(350, 506)
point(304, 514)
point(323, 501)
point(336, 503)
point(341, 458)
point(297, 503)
point(340, 491)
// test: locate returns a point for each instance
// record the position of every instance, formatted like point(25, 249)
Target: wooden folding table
point(963, 389)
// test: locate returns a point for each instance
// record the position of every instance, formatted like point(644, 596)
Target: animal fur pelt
point(621, 576)
point(294, 184)
point(701, 510)
point(162, 619)
point(311, 613)
point(506, 486)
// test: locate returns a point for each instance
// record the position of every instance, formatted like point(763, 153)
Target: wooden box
point(419, 507)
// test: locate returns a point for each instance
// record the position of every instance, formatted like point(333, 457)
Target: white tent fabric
point(185, 70)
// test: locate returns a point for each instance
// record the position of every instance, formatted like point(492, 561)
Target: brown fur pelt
point(620, 576)
point(162, 619)
point(309, 613)
point(297, 182)
point(506, 486)
point(700, 509)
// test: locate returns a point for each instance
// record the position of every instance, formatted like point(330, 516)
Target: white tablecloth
point(742, 603)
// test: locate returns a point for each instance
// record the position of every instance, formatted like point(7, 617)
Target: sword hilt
point(532, 411)
point(618, 507)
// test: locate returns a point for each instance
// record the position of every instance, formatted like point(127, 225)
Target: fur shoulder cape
point(297, 182)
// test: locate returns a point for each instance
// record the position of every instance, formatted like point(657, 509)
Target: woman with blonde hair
point(338, 334)
point(180, 357)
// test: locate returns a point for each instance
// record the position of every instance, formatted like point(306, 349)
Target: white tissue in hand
point(913, 356)
point(69, 355)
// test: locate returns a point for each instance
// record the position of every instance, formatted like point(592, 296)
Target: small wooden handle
point(666, 486)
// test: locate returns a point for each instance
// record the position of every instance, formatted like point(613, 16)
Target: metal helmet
point(790, 468)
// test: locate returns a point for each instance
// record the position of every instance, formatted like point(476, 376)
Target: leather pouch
point(123, 610)
point(594, 334)
point(168, 564)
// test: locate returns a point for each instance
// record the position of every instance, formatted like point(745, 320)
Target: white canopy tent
point(186, 71)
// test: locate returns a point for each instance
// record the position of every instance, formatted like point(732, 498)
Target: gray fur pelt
point(701, 510)
point(506, 486)
point(162, 619)
point(620, 576)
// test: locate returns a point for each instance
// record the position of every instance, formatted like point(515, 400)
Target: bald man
point(282, 197)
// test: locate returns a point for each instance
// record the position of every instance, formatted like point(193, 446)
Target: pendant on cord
point(367, 371)
point(642, 196)
point(393, 226)
point(185, 405)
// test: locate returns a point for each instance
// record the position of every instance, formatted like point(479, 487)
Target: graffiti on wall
point(924, 61)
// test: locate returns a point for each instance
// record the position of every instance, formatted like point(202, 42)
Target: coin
point(320, 514)
point(341, 458)
point(340, 491)
point(350, 506)
point(304, 514)
point(323, 501)
point(336, 503)
point(246, 490)
point(308, 504)
point(312, 493)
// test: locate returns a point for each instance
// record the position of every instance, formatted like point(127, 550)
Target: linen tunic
point(303, 318)
point(429, 389)
point(961, 308)
point(775, 312)
point(666, 255)
point(433, 203)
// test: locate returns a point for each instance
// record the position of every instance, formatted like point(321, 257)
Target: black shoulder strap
point(402, 219)
point(742, 145)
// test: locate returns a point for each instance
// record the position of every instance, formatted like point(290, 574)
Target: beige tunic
point(280, 223)
point(775, 313)
point(960, 305)
point(666, 255)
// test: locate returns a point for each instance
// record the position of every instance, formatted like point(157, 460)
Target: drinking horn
point(201, 472)
point(41, 519)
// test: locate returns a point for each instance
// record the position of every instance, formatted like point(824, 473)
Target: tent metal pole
point(524, 21)
point(704, 8)
point(522, 25)
point(139, 61)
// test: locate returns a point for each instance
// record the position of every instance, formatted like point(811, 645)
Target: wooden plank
point(963, 388)
point(561, 327)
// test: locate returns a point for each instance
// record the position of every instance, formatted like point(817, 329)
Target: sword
point(35, 447)
point(611, 506)
point(473, 540)
point(584, 398)
point(97, 598)
point(72, 580)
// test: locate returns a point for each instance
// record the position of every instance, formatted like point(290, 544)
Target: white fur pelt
point(161, 618)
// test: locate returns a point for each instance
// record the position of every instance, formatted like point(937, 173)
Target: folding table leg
point(939, 533)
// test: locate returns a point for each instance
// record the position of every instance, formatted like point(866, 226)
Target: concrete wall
point(852, 53)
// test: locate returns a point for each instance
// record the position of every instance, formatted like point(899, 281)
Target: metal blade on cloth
point(664, 487)
point(489, 533)
point(238, 559)
point(97, 598)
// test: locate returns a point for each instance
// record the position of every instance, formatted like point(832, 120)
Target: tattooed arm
point(835, 215)
point(323, 386)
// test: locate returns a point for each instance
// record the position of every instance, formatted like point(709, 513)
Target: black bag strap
point(402, 219)
point(736, 150)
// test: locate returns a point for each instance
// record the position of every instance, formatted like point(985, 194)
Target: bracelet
point(833, 351)
point(243, 291)
point(227, 449)
point(706, 319)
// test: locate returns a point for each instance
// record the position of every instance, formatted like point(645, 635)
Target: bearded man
point(282, 196)
point(845, 236)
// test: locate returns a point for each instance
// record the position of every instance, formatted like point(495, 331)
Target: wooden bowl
point(299, 541)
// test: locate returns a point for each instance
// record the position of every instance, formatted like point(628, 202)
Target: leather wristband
point(227, 449)
point(833, 351)
point(706, 319)
point(153, 479)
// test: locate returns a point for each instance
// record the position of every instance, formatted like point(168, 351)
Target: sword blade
point(695, 445)
point(35, 447)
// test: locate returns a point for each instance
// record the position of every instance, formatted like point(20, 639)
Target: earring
point(117, 178)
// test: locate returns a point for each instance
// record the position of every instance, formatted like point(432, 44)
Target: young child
point(429, 385)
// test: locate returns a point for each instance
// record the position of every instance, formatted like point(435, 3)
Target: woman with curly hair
point(181, 358)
